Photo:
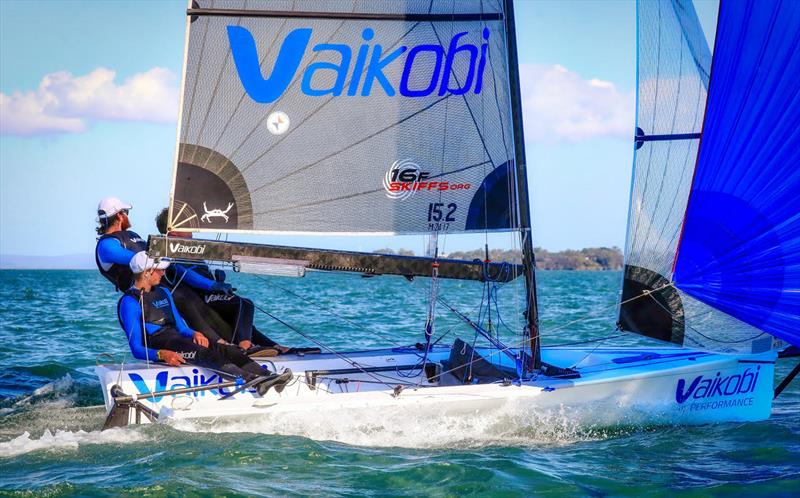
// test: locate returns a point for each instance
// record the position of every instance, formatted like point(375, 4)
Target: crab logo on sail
point(215, 213)
point(368, 70)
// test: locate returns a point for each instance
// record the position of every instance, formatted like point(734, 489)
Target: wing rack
point(331, 260)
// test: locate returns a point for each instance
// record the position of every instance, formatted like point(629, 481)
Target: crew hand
point(171, 358)
point(200, 339)
point(222, 287)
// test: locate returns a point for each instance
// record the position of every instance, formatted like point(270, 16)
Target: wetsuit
point(166, 329)
point(113, 253)
point(235, 311)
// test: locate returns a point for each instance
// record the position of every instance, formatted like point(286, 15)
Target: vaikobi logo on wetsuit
point(360, 70)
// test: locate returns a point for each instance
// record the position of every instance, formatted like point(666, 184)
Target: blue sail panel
point(740, 246)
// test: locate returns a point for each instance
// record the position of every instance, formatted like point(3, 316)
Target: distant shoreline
point(587, 259)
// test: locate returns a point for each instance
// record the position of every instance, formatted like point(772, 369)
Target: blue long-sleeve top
point(130, 315)
point(187, 275)
point(110, 250)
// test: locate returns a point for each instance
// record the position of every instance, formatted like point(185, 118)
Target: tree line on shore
point(590, 258)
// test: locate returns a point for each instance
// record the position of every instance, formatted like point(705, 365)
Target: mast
point(528, 258)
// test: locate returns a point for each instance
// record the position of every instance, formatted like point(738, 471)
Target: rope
point(327, 310)
point(685, 324)
point(504, 349)
point(321, 345)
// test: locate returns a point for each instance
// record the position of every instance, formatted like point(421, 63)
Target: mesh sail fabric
point(341, 125)
point(673, 67)
point(740, 248)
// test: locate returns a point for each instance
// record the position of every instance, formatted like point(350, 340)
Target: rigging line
point(320, 344)
point(144, 330)
point(326, 309)
point(332, 154)
point(497, 102)
point(573, 322)
point(466, 102)
point(357, 194)
point(683, 319)
point(312, 113)
point(586, 341)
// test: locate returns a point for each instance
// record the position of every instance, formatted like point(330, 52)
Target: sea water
point(53, 325)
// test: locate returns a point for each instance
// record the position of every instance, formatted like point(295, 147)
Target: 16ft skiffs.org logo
point(405, 177)
point(420, 77)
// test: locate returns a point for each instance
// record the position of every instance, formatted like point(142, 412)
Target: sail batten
point(360, 16)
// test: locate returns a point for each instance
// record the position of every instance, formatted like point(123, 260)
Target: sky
point(89, 97)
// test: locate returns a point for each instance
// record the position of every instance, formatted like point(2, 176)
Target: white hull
point(616, 387)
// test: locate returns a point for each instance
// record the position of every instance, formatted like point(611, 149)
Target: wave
point(513, 424)
point(66, 440)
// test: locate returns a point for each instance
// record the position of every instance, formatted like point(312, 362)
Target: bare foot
point(245, 344)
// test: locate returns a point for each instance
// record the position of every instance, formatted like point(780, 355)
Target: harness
point(117, 274)
point(157, 306)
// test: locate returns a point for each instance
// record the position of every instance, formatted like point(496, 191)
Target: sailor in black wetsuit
point(116, 244)
point(189, 282)
point(167, 338)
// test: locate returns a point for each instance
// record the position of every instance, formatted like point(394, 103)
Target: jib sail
point(740, 248)
point(345, 117)
point(713, 216)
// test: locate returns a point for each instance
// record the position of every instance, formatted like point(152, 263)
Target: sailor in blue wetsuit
point(167, 338)
point(116, 244)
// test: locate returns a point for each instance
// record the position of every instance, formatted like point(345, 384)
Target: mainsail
point(715, 188)
point(355, 116)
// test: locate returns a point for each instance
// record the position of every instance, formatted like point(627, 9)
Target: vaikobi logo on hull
point(719, 391)
point(427, 68)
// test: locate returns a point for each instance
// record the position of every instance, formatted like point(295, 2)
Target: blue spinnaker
point(740, 246)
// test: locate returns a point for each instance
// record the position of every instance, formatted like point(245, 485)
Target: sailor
point(192, 282)
point(167, 338)
point(116, 244)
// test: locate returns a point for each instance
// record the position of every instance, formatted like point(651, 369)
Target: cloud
point(64, 103)
point(559, 105)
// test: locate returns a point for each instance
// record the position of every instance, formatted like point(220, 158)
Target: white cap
point(141, 262)
point(110, 206)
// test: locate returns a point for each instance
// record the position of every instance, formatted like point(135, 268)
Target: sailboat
point(404, 117)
